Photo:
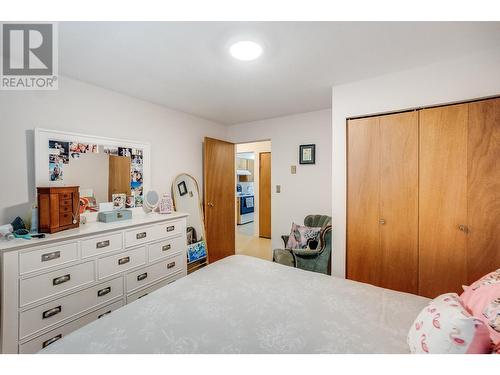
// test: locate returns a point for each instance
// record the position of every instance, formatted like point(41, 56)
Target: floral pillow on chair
point(302, 237)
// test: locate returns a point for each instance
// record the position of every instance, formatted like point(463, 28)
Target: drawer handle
point(141, 235)
point(142, 276)
point(51, 256)
point(102, 244)
point(61, 279)
point(124, 260)
point(51, 341)
point(104, 291)
point(51, 312)
point(104, 314)
point(144, 295)
point(171, 228)
point(170, 265)
point(166, 247)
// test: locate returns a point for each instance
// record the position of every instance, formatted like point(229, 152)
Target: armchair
point(316, 260)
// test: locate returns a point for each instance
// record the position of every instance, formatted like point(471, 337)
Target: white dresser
point(52, 286)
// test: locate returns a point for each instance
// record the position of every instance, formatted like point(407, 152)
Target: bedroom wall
point(176, 138)
point(308, 191)
point(449, 81)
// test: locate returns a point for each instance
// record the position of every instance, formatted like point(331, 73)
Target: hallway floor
point(247, 243)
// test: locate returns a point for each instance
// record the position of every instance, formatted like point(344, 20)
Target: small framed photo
point(118, 201)
point(307, 154)
point(182, 188)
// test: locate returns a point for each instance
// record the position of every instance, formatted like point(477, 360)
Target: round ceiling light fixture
point(245, 50)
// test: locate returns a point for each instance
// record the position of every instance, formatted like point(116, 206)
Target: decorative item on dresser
point(58, 208)
point(53, 286)
point(423, 197)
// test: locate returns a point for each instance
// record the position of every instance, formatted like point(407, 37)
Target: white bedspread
point(247, 305)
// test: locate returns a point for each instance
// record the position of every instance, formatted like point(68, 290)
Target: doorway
point(253, 199)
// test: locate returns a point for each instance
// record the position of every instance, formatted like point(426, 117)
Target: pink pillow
point(445, 327)
point(482, 299)
point(301, 236)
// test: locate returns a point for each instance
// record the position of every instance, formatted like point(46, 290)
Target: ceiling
point(185, 65)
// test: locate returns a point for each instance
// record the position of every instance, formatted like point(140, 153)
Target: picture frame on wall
point(182, 188)
point(307, 154)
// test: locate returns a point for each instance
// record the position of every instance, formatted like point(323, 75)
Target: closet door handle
point(210, 204)
point(382, 221)
point(463, 228)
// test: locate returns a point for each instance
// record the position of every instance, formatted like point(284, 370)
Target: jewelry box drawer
point(169, 229)
point(37, 344)
point(166, 248)
point(144, 292)
point(119, 263)
point(155, 272)
point(65, 218)
point(138, 236)
point(47, 257)
point(55, 282)
point(103, 244)
point(48, 314)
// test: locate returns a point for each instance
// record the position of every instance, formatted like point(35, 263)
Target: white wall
point(176, 138)
point(256, 148)
point(461, 79)
point(308, 191)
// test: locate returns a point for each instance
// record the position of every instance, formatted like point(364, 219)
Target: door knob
point(463, 228)
point(382, 221)
point(210, 204)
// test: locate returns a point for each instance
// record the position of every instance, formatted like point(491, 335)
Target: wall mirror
point(105, 169)
point(186, 196)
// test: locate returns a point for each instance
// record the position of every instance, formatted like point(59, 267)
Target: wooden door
point(442, 199)
point(399, 202)
point(219, 188)
point(265, 194)
point(483, 191)
point(363, 176)
point(119, 175)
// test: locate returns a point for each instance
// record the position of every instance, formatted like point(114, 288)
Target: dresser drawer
point(144, 292)
point(169, 229)
point(37, 344)
point(103, 244)
point(48, 314)
point(55, 282)
point(155, 272)
point(166, 248)
point(139, 236)
point(47, 257)
point(124, 261)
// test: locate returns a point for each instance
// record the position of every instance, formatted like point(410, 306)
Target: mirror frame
point(42, 137)
point(200, 204)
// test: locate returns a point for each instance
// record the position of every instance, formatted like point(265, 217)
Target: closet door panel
point(483, 192)
point(399, 201)
point(442, 199)
point(363, 250)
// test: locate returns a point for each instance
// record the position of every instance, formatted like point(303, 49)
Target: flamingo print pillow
point(445, 327)
point(482, 299)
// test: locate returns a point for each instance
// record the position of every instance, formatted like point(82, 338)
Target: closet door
point(363, 234)
point(443, 200)
point(483, 192)
point(399, 202)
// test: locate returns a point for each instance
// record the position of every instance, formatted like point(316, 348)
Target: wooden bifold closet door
point(443, 199)
point(382, 222)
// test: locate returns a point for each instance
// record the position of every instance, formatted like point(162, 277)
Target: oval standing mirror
point(187, 199)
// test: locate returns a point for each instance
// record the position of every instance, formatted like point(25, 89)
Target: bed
point(246, 305)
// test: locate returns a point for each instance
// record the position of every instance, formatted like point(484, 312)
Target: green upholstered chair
point(317, 260)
